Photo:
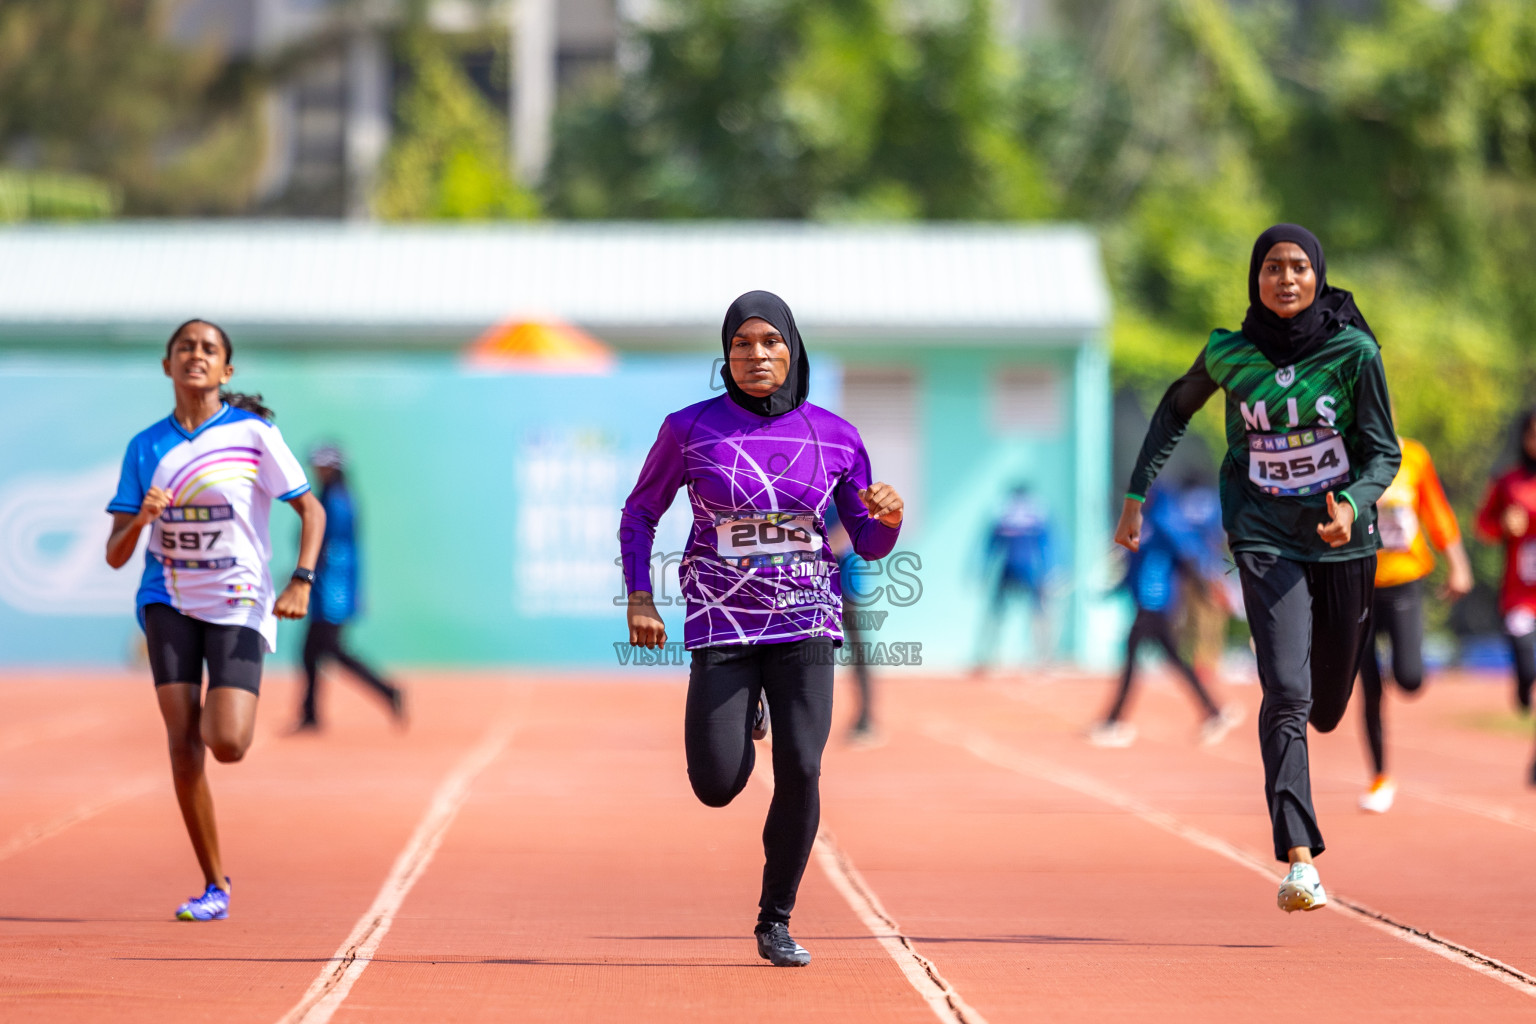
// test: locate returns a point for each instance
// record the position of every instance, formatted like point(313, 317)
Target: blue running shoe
point(212, 905)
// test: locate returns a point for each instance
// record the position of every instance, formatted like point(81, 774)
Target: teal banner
point(487, 503)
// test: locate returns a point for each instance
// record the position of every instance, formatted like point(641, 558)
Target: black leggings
point(1311, 622)
point(1524, 650)
point(179, 644)
point(723, 688)
point(322, 640)
point(1150, 625)
point(1398, 613)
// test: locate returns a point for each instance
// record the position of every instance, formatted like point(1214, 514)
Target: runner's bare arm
point(293, 602)
point(1458, 580)
point(645, 626)
point(126, 528)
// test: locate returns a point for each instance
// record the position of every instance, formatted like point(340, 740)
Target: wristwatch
point(304, 575)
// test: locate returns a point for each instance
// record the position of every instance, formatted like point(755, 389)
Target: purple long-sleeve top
point(757, 568)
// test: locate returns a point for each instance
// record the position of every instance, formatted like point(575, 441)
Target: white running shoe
point(1214, 729)
point(1378, 799)
point(1112, 734)
point(1301, 889)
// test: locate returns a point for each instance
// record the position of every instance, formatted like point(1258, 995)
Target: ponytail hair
point(248, 402)
point(239, 399)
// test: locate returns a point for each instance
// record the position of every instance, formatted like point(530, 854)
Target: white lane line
point(330, 988)
point(919, 971)
point(31, 835)
point(1472, 805)
point(986, 749)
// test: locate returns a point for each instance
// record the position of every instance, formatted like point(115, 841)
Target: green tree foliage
point(1405, 140)
point(828, 109)
point(92, 87)
point(52, 196)
point(1404, 136)
point(448, 159)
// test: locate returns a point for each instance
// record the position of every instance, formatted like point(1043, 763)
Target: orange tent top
point(538, 346)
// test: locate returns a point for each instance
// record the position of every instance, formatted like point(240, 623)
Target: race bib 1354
point(1301, 462)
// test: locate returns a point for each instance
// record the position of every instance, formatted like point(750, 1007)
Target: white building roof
point(621, 281)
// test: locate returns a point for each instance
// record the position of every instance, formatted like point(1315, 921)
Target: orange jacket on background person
point(1413, 514)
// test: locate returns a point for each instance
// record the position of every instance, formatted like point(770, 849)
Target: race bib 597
point(1301, 462)
point(194, 537)
point(751, 540)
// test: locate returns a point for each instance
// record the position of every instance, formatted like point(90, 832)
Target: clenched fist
point(883, 503)
point(155, 502)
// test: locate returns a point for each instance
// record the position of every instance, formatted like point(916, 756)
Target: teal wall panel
point(489, 503)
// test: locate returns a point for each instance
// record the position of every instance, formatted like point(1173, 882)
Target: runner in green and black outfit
point(1310, 447)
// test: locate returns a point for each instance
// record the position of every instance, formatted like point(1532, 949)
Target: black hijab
point(1521, 426)
point(1283, 341)
point(797, 384)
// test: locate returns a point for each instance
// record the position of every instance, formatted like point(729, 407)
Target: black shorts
point(179, 644)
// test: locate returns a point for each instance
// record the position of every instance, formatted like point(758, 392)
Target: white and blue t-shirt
point(208, 551)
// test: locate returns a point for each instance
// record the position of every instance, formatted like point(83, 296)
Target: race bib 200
point(752, 540)
point(194, 537)
point(1301, 462)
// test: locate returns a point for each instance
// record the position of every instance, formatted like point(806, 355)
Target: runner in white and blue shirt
point(208, 551)
point(202, 482)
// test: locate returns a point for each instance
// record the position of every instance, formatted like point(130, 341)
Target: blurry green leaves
point(448, 158)
point(50, 196)
point(826, 109)
point(90, 86)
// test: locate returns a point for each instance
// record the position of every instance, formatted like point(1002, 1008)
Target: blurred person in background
point(1173, 552)
point(1019, 557)
point(337, 599)
point(1411, 514)
point(1205, 601)
point(202, 481)
point(1506, 517)
point(863, 732)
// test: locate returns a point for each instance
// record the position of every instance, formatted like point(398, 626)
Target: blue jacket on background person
point(1170, 542)
point(336, 573)
point(1022, 537)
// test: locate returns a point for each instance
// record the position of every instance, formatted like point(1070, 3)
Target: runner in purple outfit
point(760, 583)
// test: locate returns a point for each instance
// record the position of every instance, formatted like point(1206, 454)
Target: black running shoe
point(760, 723)
point(775, 946)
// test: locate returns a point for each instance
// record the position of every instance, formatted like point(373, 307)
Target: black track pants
point(723, 687)
point(1311, 622)
point(324, 641)
point(1154, 626)
point(1398, 614)
point(1523, 648)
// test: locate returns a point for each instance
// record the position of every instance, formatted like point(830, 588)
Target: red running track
point(530, 850)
